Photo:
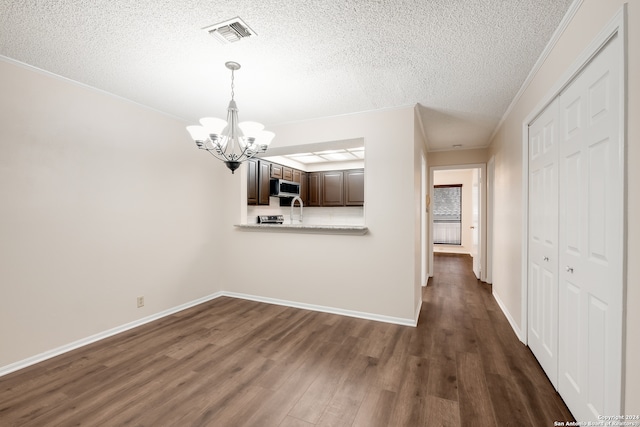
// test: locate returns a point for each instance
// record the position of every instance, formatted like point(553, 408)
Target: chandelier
point(228, 140)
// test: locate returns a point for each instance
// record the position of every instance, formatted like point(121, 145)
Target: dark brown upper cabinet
point(354, 187)
point(276, 171)
point(264, 178)
point(336, 188)
point(302, 178)
point(313, 190)
point(332, 188)
point(258, 175)
point(252, 182)
point(287, 173)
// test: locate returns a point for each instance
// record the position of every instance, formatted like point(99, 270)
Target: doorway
point(471, 225)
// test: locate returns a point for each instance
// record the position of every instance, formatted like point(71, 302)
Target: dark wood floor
point(231, 362)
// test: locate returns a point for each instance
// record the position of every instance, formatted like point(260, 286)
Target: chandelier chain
point(232, 85)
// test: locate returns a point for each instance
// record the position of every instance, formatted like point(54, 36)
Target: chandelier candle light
point(230, 141)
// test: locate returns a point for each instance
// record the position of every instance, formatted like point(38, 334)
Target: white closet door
point(543, 241)
point(591, 238)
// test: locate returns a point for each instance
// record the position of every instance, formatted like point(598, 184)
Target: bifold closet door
point(543, 241)
point(591, 217)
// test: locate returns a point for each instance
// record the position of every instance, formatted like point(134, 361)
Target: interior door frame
point(482, 212)
point(616, 26)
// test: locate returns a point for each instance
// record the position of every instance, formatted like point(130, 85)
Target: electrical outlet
point(140, 302)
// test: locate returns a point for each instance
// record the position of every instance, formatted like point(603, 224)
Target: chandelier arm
point(220, 155)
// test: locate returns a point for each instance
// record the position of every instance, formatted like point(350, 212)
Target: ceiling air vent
point(230, 31)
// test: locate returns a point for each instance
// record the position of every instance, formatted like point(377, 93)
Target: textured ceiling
point(463, 61)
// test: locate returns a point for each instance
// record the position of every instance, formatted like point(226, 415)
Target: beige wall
point(592, 16)
point(374, 273)
point(102, 201)
point(458, 157)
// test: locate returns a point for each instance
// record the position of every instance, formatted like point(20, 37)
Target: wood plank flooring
point(232, 362)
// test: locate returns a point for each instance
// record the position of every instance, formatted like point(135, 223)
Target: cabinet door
point(252, 182)
point(304, 187)
point(297, 176)
point(264, 176)
point(276, 170)
point(332, 188)
point(313, 194)
point(287, 173)
point(354, 187)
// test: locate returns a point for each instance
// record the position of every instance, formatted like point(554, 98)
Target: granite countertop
point(306, 228)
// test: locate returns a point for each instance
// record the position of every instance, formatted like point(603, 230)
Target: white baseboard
point(416, 315)
point(21, 364)
point(512, 322)
point(325, 309)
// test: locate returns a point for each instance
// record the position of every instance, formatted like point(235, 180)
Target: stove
point(270, 219)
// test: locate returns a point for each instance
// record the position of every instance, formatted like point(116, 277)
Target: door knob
point(569, 269)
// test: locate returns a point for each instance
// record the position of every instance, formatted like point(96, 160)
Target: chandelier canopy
point(228, 140)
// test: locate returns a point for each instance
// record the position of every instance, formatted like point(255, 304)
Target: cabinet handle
point(569, 269)
point(545, 258)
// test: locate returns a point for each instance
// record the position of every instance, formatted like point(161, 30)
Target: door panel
point(543, 245)
point(591, 239)
point(475, 222)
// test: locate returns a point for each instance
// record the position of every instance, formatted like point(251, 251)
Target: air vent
point(230, 31)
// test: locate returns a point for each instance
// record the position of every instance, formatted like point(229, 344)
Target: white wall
point(374, 273)
point(592, 16)
point(464, 177)
point(102, 201)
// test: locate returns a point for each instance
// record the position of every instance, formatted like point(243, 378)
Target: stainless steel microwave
point(282, 188)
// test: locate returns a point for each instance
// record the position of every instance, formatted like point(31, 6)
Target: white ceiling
point(462, 61)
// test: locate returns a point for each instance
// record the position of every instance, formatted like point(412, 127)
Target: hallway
point(499, 381)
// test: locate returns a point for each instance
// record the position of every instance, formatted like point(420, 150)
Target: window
point(447, 214)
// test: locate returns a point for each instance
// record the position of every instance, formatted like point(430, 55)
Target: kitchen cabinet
point(287, 173)
point(252, 182)
point(276, 170)
point(301, 177)
point(354, 187)
point(327, 188)
point(297, 176)
point(336, 188)
point(282, 172)
point(258, 175)
point(264, 177)
point(313, 190)
point(332, 188)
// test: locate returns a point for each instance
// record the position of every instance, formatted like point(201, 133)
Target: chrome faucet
point(293, 202)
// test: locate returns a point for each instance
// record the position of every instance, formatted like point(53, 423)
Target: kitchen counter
point(306, 228)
